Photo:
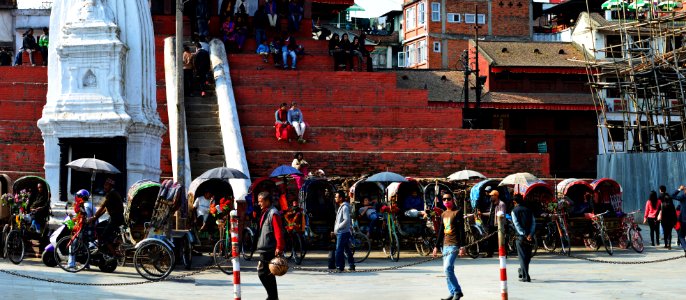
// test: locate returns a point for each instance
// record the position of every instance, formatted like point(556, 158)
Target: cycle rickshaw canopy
point(479, 198)
point(30, 182)
point(607, 196)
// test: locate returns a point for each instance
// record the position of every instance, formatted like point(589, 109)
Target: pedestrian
point(202, 67)
point(451, 221)
point(525, 224)
point(271, 243)
point(188, 58)
point(652, 210)
point(680, 195)
point(342, 231)
point(497, 206)
point(28, 45)
point(667, 217)
point(43, 41)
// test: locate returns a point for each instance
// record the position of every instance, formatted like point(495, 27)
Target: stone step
point(303, 79)
point(328, 96)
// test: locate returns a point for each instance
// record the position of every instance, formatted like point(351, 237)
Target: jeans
point(260, 35)
point(372, 223)
point(18, 58)
point(449, 256)
point(524, 248)
point(285, 53)
point(342, 250)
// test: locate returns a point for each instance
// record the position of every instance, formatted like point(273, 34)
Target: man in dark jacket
point(202, 67)
point(29, 45)
point(40, 206)
point(271, 243)
point(680, 195)
point(525, 224)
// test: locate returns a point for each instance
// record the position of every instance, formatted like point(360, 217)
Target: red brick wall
point(511, 20)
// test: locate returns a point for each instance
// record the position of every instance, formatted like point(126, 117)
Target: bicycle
point(391, 243)
point(556, 230)
point(599, 234)
point(359, 243)
point(632, 237)
point(473, 232)
point(222, 252)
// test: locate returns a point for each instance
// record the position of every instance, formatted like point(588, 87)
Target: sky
point(23, 4)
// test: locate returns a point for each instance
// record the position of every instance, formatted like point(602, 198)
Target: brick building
point(436, 31)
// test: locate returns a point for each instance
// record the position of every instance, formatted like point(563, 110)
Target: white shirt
point(202, 206)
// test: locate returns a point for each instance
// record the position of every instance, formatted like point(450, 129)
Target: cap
point(494, 192)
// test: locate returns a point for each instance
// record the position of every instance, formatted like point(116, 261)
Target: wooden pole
point(181, 156)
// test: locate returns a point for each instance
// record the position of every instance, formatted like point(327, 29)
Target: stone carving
point(89, 80)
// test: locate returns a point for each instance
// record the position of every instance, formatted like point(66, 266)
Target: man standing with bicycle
point(448, 235)
point(525, 224)
point(271, 243)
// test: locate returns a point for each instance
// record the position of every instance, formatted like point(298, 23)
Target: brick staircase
point(204, 135)
point(359, 122)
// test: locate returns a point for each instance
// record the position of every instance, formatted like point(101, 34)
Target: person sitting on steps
point(296, 119)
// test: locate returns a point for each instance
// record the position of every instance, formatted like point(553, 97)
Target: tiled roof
point(539, 98)
point(531, 54)
point(384, 39)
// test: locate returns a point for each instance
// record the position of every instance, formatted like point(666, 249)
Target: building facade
point(436, 31)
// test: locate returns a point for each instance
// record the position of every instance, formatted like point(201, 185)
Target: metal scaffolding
point(641, 69)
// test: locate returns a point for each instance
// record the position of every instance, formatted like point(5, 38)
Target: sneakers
point(352, 268)
point(458, 295)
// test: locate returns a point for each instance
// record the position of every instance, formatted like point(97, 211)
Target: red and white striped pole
point(502, 255)
point(235, 256)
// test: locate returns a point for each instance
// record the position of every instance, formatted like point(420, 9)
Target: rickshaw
point(282, 191)
point(479, 200)
point(220, 189)
point(410, 220)
point(317, 200)
point(19, 231)
point(385, 230)
point(607, 197)
point(537, 196)
point(146, 232)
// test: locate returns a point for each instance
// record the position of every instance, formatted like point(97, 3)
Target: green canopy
point(638, 5)
point(669, 5)
point(355, 7)
point(614, 5)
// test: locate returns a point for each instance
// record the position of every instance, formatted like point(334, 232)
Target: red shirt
point(278, 230)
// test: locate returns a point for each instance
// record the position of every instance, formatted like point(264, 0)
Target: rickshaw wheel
point(153, 260)
point(14, 247)
point(247, 244)
point(61, 252)
point(394, 247)
point(5, 231)
point(222, 256)
point(607, 243)
point(360, 246)
point(473, 248)
point(636, 240)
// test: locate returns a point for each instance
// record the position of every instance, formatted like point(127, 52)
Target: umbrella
point(669, 5)
point(523, 178)
point(93, 165)
point(387, 177)
point(466, 175)
point(613, 5)
point(638, 5)
point(223, 173)
point(284, 170)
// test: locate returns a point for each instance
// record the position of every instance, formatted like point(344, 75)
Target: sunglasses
point(447, 199)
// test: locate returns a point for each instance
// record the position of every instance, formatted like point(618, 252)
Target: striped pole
point(502, 255)
point(234, 256)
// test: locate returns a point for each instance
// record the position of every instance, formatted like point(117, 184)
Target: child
point(263, 51)
point(369, 211)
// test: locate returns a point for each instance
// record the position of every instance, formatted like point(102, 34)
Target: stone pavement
point(553, 277)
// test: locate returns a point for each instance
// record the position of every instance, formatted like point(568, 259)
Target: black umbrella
point(223, 173)
point(94, 166)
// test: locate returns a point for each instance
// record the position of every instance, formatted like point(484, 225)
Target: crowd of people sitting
point(344, 52)
point(29, 45)
point(290, 123)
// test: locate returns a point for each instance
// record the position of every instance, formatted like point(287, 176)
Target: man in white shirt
point(202, 209)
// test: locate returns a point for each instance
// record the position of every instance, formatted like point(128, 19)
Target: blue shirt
point(262, 48)
point(295, 115)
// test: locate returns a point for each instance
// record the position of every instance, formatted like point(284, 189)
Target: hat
point(494, 192)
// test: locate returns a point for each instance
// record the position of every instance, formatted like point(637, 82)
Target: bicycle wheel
point(247, 244)
point(186, 253)
point(153, 260)
point(71, 256)
point(551, 237)
point(5, 231)
point(636, 240)
point(607, 243)
point(296, 250)
point(14, 247)
point(222, 256)
point(623, 241)
point(361, 247)
point(392, 247)
point(472, 247)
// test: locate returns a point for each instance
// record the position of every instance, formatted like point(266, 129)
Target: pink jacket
point(651, 212)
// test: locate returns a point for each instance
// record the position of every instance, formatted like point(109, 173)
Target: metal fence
point(640, 173)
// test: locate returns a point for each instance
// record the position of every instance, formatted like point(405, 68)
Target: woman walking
point(652, 210)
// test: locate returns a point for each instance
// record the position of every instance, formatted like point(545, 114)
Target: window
point(401, 60)
point(421, 52)
point(454, 18)
point(411, 55)
point(437, 46)
point(410, 18)
point(421, 14)
point(435, 12)
point(471, 18)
